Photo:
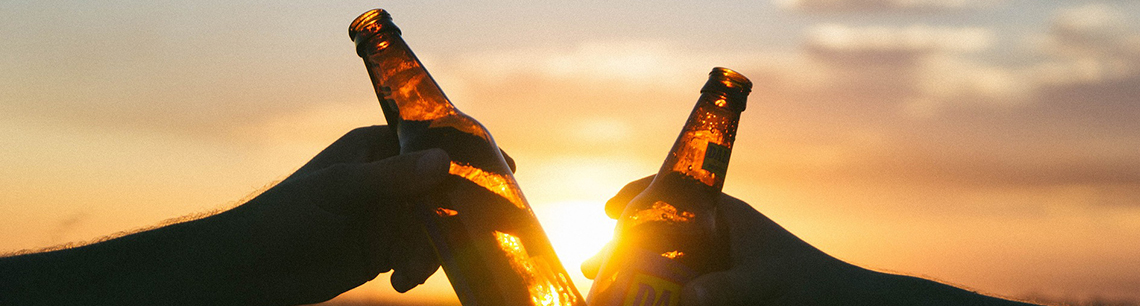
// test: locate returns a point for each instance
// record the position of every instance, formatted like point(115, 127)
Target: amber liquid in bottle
point(487, 238)
point(667, 235)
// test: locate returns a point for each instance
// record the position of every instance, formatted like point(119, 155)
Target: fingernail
point(432, 164)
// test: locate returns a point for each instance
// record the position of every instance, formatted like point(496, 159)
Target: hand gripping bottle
point(667, 235)
point(486, 237)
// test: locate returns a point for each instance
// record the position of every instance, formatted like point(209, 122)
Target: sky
point(986, 144)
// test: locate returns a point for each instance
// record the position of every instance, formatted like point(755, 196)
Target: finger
point(734, 287)
point(353, 188)
point(405, 175)
point(360, 145)
point(510, 161)
point(415, 259)
point(591, 266)
point(745, 283)
point(616, 204)
point(416, 272)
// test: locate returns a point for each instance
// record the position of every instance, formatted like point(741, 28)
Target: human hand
point(336, 223)
point(342, 219)
point(769, 265)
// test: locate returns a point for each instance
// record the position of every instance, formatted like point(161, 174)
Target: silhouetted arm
point(892, 289)
point(331, 226)
point(771, 266)
point(196, 262)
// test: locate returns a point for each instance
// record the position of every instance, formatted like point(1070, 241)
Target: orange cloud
point(882, 5)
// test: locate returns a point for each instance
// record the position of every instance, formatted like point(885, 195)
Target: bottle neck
point(406, 91)
point(702, 150)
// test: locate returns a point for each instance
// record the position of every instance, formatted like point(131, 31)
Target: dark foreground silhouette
point(337, 222)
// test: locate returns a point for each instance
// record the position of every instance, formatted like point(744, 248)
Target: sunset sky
point(987, 144)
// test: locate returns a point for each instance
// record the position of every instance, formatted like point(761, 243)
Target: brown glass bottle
point(486, 237)
point(667, 234)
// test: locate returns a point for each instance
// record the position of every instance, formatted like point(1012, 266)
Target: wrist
point(230, 257)
point(275, 253)
point(198, 261)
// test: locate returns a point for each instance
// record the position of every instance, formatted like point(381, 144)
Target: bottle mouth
point(731, 83)
point(371, 22)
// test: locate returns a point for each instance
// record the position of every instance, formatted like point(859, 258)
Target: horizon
point(986, 144)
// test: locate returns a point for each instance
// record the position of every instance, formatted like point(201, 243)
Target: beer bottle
point(484, 233)
point(667, 234)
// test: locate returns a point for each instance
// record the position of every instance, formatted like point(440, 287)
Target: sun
point(577, 230)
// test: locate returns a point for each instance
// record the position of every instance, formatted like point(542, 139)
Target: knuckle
point(340, 175)
point(364, 132)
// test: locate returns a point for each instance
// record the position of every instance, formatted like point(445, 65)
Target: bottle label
point(647, 290)
point(641, 278)
point(716, 159)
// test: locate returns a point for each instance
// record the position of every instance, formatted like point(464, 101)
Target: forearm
point(193, 262)
point(892, 289)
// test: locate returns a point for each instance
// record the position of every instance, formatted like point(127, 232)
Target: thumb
point(616, 204)
point(591, 266)
point(413, 257)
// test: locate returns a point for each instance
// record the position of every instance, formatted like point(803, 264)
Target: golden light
point(493, 182)
point(543, 291)
point(673, 254)
point(660, 211)
point(444, 212)
point(577, 229)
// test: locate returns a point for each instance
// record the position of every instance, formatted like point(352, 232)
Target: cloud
point(1093, 30)
point(927, 68)
point(863, 78)
point(633, 63)
point(931, 69)
point(987, 168)
point(920, 39)
point(913, 63)
point(1089, 44)
point(1054, 120)
point(815, 6)
point(592, 88)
